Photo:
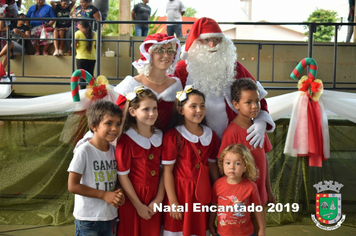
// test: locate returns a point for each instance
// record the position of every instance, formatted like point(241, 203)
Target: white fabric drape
point(336, 103)
point(56, 103)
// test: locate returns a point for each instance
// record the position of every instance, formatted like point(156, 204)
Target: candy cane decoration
point(74, 85)
point(302, 65)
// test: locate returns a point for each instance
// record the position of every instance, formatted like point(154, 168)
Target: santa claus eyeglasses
point(214, 40)
point(162, 51)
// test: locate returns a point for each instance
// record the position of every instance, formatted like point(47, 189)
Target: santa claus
point(209, 64)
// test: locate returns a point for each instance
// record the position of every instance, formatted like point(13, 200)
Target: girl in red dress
point(138, 155)
point(188, 149)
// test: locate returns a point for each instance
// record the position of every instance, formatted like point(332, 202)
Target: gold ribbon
point(312, 88)
point(99, 89)
point(132, 95)
point(182, 95)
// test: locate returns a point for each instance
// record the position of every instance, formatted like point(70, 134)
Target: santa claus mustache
point(214, 49)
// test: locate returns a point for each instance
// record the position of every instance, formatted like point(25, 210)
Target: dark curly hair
point(240, 85)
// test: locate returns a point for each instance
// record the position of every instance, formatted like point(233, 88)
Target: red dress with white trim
point(139, 158)
point(178, 151)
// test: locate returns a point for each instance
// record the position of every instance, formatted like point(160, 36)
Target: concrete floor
point(292, 230)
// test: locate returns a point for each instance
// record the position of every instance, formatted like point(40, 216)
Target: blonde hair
point(146, 69)
point(251, 172)
point(130, 121)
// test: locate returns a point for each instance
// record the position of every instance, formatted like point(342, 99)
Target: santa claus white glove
point(257, 133)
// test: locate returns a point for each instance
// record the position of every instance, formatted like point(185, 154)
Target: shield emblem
point(328, 208)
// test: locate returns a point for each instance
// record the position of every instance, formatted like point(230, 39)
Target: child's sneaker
point(56, 53)
point(60, 52)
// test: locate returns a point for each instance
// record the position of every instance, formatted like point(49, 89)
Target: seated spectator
point(41, 10)
point(17, 32)
point(12, 8)
point(62, 10)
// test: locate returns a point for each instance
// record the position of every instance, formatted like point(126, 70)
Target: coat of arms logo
point(328, 205)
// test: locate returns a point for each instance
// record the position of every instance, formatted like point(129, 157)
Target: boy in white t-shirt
point(92, 173)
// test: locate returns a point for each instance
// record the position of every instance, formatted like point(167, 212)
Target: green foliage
point(153, 28)
point(26, 4)
point(113, 15)
point(190, 12)
point(323, 33)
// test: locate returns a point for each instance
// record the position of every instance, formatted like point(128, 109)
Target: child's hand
point(174, 214)
point(120, 194)
point(16, 31)
point(111, 198)
point(152, 204)
point(144, 212)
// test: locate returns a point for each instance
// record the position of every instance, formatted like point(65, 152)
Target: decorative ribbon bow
point(182, 95)
point(99, 89)
point(132, 95)
point(308, 84)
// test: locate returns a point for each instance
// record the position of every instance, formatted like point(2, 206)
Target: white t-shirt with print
point(98, 170)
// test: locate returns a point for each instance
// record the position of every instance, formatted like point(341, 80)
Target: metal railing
point(259, 45)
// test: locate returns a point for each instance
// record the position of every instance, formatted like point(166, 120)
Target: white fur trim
point(123, 172)
point(168, 95)
point(205, 138)
point(266, 117)
point(184, 55)
point(209, 35)
point(169, 162)
point(216, 116)
point(155, 139)
point(263, 92)
point(180, 233)
point(227, 94)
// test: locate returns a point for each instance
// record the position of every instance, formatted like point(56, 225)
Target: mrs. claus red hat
point(202, 28)
point(150, 40)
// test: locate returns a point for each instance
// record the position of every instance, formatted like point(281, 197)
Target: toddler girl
point(235, 192)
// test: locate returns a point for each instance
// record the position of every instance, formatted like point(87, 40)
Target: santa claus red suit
point(209, 64)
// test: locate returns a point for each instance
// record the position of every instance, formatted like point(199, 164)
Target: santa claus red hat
point(202, 28)
point(153, 39)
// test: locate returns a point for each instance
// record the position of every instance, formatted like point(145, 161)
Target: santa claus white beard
point(211, 70)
